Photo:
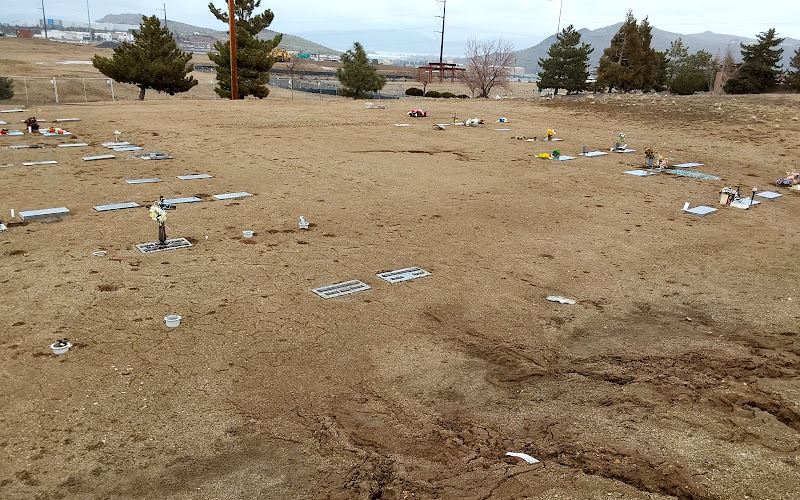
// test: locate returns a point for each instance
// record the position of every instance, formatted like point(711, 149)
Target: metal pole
point(44, 21)
point(25, 83)
point(234, 69)
point(561, 4)
point(441, 48)
point(55, 87)
point(86, 99)
point(111, 82)
point(89, 17)
point(165, 16)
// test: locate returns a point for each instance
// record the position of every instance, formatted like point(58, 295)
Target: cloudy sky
point(524, 22)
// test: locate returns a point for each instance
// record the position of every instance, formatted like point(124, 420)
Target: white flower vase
point(60, 348)
point(172, 320)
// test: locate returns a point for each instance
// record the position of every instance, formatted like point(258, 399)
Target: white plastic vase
point(172, 320)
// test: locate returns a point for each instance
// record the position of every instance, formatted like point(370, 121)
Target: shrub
point(6, 88)
point(433, 93)
point(448, 95)
point(463, 96)
point(415, 92)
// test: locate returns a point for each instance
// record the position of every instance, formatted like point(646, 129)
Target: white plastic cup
point(172, 320)
point(58, 350)
point(247, 234)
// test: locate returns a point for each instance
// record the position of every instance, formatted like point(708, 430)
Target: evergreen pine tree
point(688, 73)
point(152, 61)
point(253, 60)
point(567, 64)
point(357, 76)
point(793, 78)
point(760, 66)
point(630, 63)
point(6, 88)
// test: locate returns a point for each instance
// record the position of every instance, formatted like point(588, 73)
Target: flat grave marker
point(42, 213)
point(142, 181)
point(639, 173)
point(592, 154)
point(406, 274)
point(231, 196)
point(770, 195)
point(339, 289)
point(688, 165)
point(73, 145)
point(11, 133)
point(194, 176)
point(563, 158)
point(98, 157)
point(31, 163)
point(173, 244)
point(116, 206)
point(178, 201)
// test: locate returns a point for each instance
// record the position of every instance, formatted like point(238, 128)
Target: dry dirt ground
point(675, 375)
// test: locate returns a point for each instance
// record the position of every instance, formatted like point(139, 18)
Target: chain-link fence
point(320, 88)
point(40, 90)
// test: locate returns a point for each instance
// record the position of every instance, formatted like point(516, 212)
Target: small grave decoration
point(791, 179)
point(417, 113)
point(523, 138)
point(60, 346)
point(622, 138)
point(32, 124)
point(544, 156)
point(728, 195)
point(555, 154)
point(650, 156)
point(550, 134)
point(158, 213)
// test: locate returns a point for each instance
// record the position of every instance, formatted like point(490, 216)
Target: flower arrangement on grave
point(791, 179)
point(663, 162)
point(649, 154)
point(555, 154)
point(729, 195)
point(32, 123)
point(550, 134)
point(544, 156)
point(158, 214)
point(622, 137)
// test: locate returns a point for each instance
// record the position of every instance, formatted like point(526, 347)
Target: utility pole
point(441, 48)
point(44, 21)
point(165, 15)
point(560, 5)
point(89, 18)
point(234, 69)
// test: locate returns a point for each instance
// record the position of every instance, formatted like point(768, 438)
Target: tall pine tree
point(152, 61)
point(253, 60)
point(630, 63)
point(688, 73)
point(357, 75)
point(567, 64)
point(760, 66)
point(793, 78)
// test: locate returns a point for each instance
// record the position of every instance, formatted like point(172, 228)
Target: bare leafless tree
point(727, 70)
point(425, 77)
point(488, 65)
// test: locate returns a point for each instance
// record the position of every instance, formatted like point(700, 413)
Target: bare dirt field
point(675, 374)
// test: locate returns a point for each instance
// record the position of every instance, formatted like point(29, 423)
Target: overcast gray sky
point(524, 22)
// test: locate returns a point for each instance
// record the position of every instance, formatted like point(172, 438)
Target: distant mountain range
point(600, 39)
point(289, 42)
